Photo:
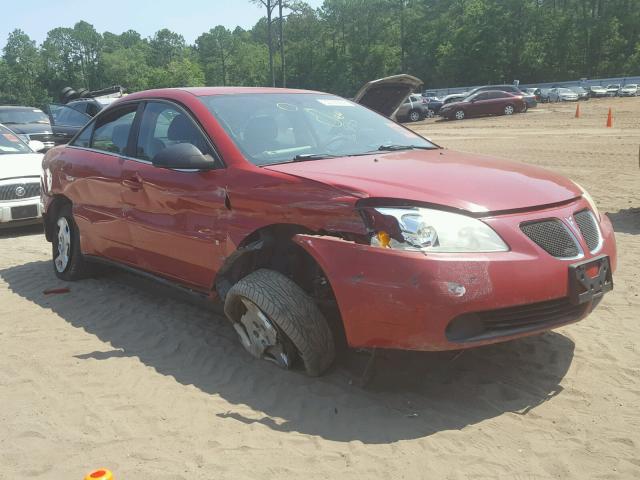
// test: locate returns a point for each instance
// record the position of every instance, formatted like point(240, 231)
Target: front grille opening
point(552, 236)
point(589, 228)
point(472, 327)
point(10, 192)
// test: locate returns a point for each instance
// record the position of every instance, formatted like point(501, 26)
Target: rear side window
point(71, 117)
point(164, 124)
point(111, 132)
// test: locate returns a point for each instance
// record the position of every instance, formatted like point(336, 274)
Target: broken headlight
point(429, 230)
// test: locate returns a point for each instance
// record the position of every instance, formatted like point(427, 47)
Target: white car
point(562, 95)
point(20, 167)
point(630, 90)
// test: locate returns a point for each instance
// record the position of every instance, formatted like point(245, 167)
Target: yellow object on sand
point(100, 474)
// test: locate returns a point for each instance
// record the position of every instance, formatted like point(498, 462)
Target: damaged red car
point(320, 223)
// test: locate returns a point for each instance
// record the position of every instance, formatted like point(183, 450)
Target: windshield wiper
point(393, 148)
point(303, 157)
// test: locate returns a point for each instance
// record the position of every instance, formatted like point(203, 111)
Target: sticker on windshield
point(11, 137)
point(287, 106)
point(335, 102)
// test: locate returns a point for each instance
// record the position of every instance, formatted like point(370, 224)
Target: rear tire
point(300, 328)
point(415, 116)
point(68, 262)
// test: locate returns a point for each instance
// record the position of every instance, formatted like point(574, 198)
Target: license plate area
point(24, 211)
point(590, 279)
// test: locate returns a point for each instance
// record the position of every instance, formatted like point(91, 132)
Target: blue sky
point(187, 17)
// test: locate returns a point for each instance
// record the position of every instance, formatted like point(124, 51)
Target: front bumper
point(9, 209)
point(407, 300)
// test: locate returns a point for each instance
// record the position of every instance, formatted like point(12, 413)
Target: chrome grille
point(46, 138)
point(589, 228)
point(552, 236)
point(10, 191)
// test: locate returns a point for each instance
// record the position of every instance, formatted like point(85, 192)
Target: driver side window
point(164, 125)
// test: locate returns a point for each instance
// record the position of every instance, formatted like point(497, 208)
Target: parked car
point(530, 99)
point(630, 90)
point(536, 92)
point(413, 109)
point(597, 91)
point(544, 95)
point(583, 93)
point(318, 222)
point(613, 89)
point(453, 97)
point(20, 167)
point(562, 95)
point(433, 104)
point(385, 95)
point(66, 121)
point(484, 103)
point(28, 123)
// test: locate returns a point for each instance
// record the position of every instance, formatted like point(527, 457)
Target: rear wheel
point(277, 321)
point(524, 108)
point(459, 115)
point(431, 113)
point(508, 110)
point(68, 261)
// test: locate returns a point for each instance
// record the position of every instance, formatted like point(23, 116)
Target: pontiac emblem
point(20, 191)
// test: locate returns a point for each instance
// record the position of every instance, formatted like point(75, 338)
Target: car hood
point(29, 128)
point(458, 180)
point(385, 95)
point(20, 165)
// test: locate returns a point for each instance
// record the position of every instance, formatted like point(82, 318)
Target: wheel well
point(50, 216)
point(272, 247)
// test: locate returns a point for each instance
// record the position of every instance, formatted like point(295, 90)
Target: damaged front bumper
point(410, 300)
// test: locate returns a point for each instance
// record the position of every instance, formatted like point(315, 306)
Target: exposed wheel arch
point(49, 219)
point(272, 247)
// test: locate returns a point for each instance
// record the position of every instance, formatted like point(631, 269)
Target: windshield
point(10, 143)
point(278, 128)
point(26, 115)
point(565, 90)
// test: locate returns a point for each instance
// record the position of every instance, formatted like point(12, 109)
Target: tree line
point(339, 46)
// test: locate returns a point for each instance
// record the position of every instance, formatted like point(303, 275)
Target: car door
point(479, 104)
point(95, 163)
point(173, 214)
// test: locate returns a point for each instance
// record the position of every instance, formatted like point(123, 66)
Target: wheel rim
point(459, 114)
point(414, 116)
point(508, 110)
point(431, 114)
point(64, 245)
point(260, 337)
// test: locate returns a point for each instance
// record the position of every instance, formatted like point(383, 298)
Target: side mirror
point(183, 156)
point(36, 145)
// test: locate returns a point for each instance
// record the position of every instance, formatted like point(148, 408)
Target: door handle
point(134, 183)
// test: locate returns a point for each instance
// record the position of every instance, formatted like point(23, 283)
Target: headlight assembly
point(589, 200)
point(430, 230)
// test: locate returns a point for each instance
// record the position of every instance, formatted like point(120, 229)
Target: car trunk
point(385, 95)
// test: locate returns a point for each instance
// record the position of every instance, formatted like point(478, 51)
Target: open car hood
point(385, 95)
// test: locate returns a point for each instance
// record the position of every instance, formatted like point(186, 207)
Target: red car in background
point(318, 222)
point(493, 102)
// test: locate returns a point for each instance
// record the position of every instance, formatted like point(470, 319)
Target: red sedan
point(318, 223)
point(492, 102)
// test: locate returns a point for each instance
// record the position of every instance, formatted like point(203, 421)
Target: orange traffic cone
point(101, 474)
point(578, 110)
point(609, 119)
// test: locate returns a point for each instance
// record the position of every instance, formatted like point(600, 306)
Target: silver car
point(562, 95)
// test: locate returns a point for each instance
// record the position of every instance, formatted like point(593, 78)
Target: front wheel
point(278, 321)
point(459, 115)
point(415, 116)
point(68, 261)
point(508, 110)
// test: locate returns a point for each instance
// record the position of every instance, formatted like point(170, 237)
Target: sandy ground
point(123, 374)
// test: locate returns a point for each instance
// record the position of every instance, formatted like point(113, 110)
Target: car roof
point(207, 91)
